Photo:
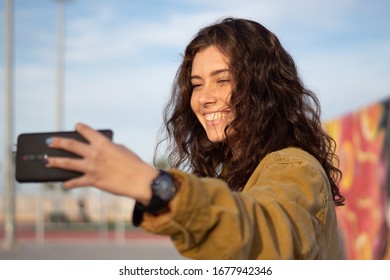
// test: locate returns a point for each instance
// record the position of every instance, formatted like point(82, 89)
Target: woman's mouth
point(216, 116)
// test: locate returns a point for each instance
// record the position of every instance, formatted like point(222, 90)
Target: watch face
point(164, 186)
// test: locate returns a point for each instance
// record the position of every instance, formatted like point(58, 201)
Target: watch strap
point(137, 214)
point(139, 209)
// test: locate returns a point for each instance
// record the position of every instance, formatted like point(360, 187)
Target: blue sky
point(121, 58)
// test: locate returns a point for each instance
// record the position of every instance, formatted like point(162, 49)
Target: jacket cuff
point(137, 215)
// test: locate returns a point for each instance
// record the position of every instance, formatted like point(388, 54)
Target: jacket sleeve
point(279, 215)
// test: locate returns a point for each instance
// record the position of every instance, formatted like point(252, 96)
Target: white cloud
point(92, 41)
point(107, 35)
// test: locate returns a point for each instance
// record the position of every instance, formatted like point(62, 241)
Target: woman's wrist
point(145, 194)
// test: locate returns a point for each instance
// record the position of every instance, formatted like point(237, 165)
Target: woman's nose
point(207, 96)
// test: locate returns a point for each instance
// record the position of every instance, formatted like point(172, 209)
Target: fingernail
point(49, 141)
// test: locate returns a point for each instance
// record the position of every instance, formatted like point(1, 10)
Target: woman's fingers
point(91, 135)
point(93, 156)
point(81, 181)
point(103, 164)
point(70, 145)
point(73, 164)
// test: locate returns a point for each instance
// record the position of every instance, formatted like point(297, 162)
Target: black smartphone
point(32, 151)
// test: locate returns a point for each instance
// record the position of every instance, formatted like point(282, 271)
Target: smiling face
point(212, 86)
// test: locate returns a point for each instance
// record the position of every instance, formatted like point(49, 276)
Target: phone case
point(32, 150)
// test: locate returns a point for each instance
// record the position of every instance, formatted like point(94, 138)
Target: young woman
point(252, 171)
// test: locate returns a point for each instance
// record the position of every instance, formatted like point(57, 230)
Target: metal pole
point(60, 86)
point(10, 236)
point(40, 229)
point(60, 63)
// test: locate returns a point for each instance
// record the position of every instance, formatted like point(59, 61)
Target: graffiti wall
point(363, 141)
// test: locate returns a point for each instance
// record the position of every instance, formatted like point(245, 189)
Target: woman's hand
point(105, 165)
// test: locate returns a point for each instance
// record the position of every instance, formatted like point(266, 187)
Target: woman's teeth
point(215, 116)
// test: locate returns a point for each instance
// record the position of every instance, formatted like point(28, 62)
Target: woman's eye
point(223, 81)
point(195, 86)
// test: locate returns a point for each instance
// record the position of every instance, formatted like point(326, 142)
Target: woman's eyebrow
point(216, 72)
point(213, 73)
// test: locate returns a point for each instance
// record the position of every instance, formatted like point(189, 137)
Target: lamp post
point(60, 86)
point(9, 225)
point(59, 105)
point(60, 64)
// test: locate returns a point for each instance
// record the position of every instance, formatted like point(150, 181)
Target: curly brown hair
point(272, 108)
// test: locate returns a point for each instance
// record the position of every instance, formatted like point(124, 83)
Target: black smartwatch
point(163, 190)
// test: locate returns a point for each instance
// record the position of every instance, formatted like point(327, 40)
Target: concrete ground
point(81, 246)
point(140, 250)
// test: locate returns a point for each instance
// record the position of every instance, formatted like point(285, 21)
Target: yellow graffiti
point(348, 163)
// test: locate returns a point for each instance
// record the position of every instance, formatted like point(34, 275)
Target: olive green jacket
point(285, 211)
